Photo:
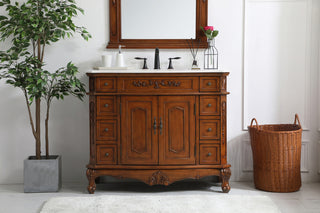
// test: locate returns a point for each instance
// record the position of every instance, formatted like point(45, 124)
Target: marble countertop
point(154, 71)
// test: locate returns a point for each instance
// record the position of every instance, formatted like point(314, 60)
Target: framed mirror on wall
point(142, 24)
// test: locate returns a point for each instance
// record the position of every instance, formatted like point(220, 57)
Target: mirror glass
point(158, 19)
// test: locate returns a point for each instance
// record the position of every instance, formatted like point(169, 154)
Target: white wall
point(246, 50)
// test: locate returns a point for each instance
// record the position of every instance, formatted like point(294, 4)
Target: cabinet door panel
point(138, 139)
point(177, 138)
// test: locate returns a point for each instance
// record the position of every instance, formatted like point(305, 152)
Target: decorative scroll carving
point(92, 127)
point(223, 84)
point(224, 106)
point(91, 84)
point(91, 175)
point(159, 178)
point(156, 83)
point(225, 176)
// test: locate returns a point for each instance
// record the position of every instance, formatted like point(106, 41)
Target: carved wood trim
point(92, 130)
point(225, 176)
point(91, 84)
point(223, 125)
point(157, 83)
point(91, 175)
point(223, 83)
point(159, 178)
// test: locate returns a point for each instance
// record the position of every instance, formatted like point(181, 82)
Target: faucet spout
point(156, 59)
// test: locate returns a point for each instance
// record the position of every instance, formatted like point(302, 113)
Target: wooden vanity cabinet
point(158, 128)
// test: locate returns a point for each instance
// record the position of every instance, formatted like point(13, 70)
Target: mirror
point(140, 24)
point(165, 19)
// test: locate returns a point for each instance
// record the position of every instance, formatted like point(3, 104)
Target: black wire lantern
point(211, 56)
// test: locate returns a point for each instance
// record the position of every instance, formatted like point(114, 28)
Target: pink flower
point(208, 28)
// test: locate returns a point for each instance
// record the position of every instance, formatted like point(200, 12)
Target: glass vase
point(211, 56)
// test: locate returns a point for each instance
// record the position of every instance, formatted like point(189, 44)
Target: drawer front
point(160, 84)
point(106, 130)
point(209, 154)
point(106, 85)
point(210, 105)
point(209, 129)
point(106, 105)
point(211, 84)
point(106, 154)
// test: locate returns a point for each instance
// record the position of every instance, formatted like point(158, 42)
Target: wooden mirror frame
point(115, 30)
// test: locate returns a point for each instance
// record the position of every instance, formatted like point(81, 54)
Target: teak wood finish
point(158, 128)
point(115, 30)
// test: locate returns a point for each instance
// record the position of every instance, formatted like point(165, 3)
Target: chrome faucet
point(156, 59)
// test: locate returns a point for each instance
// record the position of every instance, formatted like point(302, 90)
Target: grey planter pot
point(42, 175)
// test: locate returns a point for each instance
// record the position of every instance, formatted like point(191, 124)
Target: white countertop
point(154, 71)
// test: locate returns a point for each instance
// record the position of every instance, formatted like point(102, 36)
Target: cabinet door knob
point(107, 154)
point(209, 154)
point(106, 105)
point(209, 83)
point(106, 129)
point(209, 105)
point(209, 130)
point(106, 84)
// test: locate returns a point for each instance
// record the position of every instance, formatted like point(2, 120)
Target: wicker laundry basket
point(276, 156)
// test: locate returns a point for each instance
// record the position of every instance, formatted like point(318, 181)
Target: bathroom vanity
point(158, 126)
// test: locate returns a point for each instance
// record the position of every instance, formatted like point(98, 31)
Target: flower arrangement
point(210, 32)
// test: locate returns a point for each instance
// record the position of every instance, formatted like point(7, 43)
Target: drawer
point(158, 84)
point(106, 130)
point(209, 154)
point(209, 105)
point(106, 154)
point(106, 85)
point(209, 129)
point(106, 105)
point(211, 84)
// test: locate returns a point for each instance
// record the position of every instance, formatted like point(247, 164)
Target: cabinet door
point(177, 137)
point(138, 137)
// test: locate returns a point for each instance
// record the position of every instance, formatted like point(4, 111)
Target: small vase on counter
point(211, 55)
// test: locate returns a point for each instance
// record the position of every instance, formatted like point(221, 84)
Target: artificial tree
point(31, 26)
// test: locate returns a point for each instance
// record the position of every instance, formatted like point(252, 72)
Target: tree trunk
point(38, 124)
point(47, 130)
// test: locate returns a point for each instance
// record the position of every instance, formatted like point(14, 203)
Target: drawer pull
point(106, 129)
point(209, 84)
point(209, 154)
point(106, 105)
point(209, 130)
point(209, 105)
point(106, 84)
point(107, 154)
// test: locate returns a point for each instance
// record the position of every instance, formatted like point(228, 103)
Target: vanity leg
point(91, 178)
point(225, 176)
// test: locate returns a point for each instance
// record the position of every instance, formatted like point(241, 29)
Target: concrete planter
point(42, 175)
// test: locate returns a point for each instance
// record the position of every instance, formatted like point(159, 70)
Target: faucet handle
point(170, 62)
point(145, 67)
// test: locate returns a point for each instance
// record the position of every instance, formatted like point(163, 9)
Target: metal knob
point(209, 105)
point(106, 84)
point(209, 154)
point(107, 154)
point(106, 129)
point(209, 83)
point(209, 130)
point(106, 105)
